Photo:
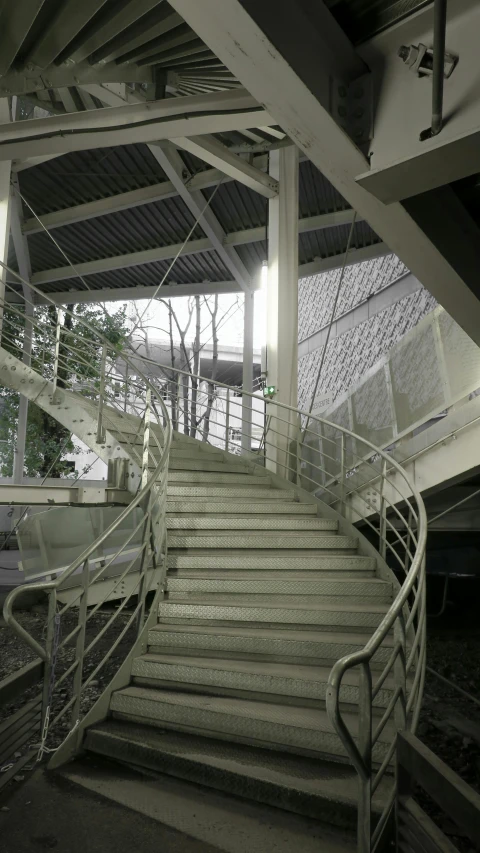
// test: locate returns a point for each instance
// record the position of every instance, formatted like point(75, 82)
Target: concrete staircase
point(264, 594)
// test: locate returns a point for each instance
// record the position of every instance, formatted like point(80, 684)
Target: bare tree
point(211, 384)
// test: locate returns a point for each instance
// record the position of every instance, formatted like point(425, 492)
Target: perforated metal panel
point(372, 409)
point(461, 356)
point(416, 378)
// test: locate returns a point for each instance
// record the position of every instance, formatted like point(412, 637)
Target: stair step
point(321, 646)
point(274, 725)
point(190, 582)
point(179, 451)
point(249, 522)
point(217, 478)
point(346, 565)
point(205, 464)
point(253, 541)
point(314, 611)
point(241, 507)
point(216, 675)
point(246, 492)
point(323, 790)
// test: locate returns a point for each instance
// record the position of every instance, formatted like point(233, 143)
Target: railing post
point(364, 833)
point(146, 437)
point(101, 394)
point(382, 532)
point(144, 560)
point(49, 646)
point(58, 330)
point(227, 419)
point(400, 672)
point(80, 644)
point(343, 505)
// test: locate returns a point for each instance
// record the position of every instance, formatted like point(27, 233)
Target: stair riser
point(204, 464)
point(224, 778)
point(189, 587)
point(264, 542)
point(223, 682)
point(217, 478)
point(200, 493)
point(327, 656)
point(271, 615)
point(264, 562)
point(227, 726)
point(200, 523)
point(235, 508)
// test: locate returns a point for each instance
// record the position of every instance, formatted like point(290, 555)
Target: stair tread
point(269, 633)
point(283, 575)
point(333, 780)
point(297, 672)
point(294, 716)
point(278, 601)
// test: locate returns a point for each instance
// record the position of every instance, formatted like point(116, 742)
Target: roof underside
point(51, 51)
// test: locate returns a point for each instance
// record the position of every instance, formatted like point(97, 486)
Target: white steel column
point(24, 268)
point(5, 173)
point(247, 382)
point(282, 307)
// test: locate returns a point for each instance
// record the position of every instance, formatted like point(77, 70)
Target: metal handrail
point(149, 498)
point(343, 482)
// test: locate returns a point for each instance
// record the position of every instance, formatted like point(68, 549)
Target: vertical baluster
point(146, 437)
point(146, 541)
point(365, 746)
point(101, 395)
point(343, 505)
point(400, 672)
point(58, 330)
point(382, 533)
point(47, 678)
point(80, 644)
point(227, 419)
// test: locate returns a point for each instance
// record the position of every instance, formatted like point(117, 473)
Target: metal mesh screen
point(462, 358)
point(373, 416)
point(416, 377)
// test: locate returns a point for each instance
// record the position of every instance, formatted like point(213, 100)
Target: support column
point(247, 382)
point(24, 268)
point(282, 309)
point(5, 207)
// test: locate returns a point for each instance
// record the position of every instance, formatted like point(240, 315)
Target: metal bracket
point(351, 105)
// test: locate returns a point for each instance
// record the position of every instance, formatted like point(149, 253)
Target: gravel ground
point(16, 654)
point(450, 723)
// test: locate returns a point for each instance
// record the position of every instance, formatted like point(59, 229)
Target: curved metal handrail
point(148, 500)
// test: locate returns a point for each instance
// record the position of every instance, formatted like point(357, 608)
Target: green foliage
point(80, 354)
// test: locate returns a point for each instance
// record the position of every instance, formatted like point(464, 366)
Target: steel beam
point(132, 259)
point(193, 247)
point(120, 294)
point(30, 78)
point(120, 46)
point(121, 201)
point(17, 18)
point(174, 168)
point(355, 256)
point(262, 49)
point(63, 26)
point(18, 495)
point(170, 118)
point(117, 22)
point(402, 163)
point(5, 211)
point(212, 151)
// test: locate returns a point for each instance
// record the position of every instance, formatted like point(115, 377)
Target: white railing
point(131, 552)
point(364, 485)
